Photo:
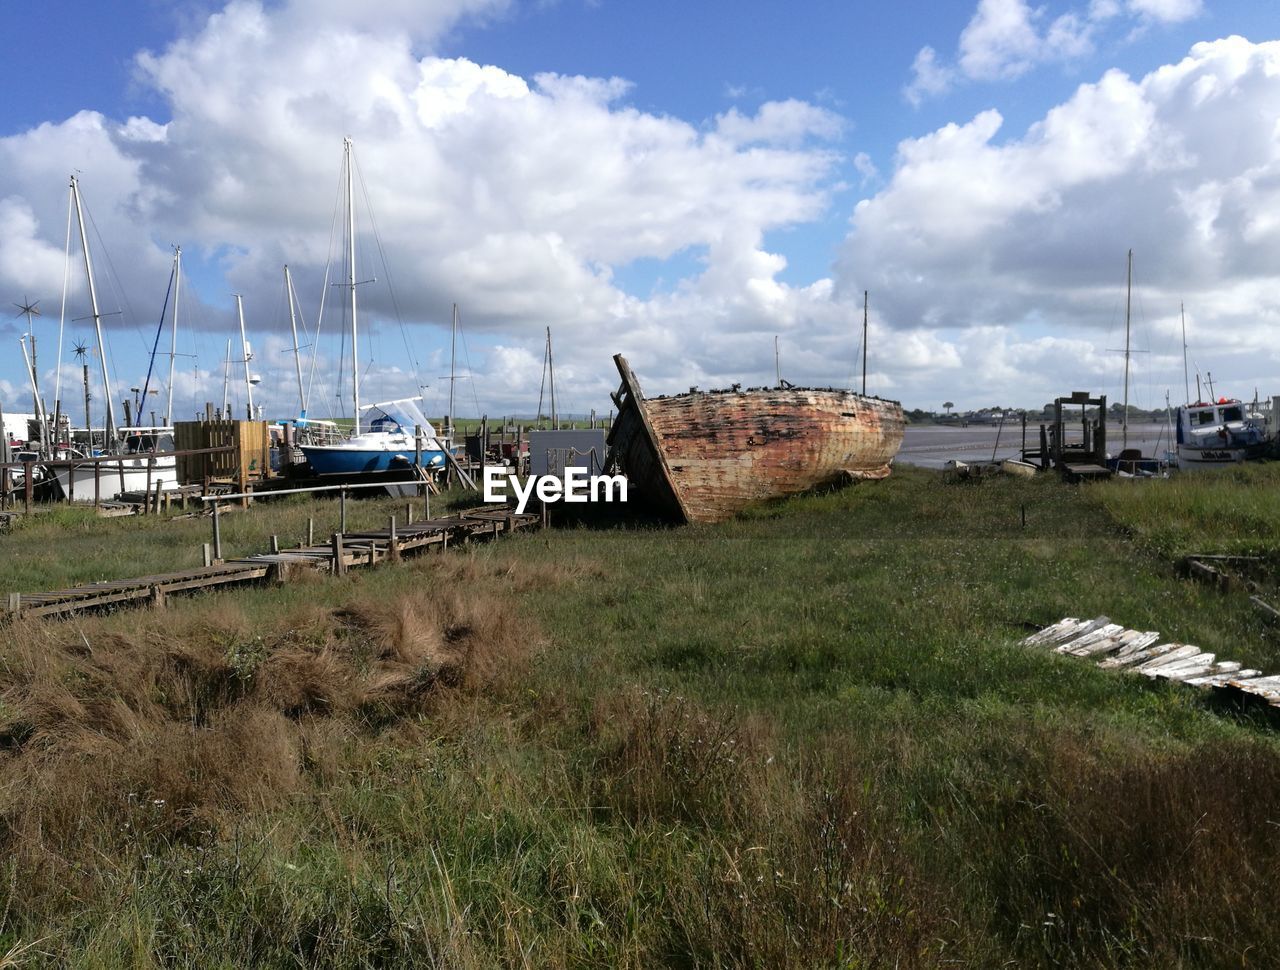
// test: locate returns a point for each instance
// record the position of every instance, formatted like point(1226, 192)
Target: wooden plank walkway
point(1112, 647)
point(351, 550)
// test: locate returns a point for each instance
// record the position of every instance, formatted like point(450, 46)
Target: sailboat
point(388, 438)
point(1130, 462)
point(145, 452)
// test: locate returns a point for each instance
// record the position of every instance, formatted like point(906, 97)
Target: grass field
point(802, 738)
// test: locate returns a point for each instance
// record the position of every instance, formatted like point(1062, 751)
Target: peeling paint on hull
point(704, 457)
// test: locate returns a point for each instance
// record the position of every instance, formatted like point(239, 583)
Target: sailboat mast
point(244, 352)
point(110, 429)
point(866, 300)
point(293, 326)
point(173, 337)
point(226, 385)
point(453, 363)
point(1186, 379)
point(551, 376)
point(1128, 299)
point(351, 280)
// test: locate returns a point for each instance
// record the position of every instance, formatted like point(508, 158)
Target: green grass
point(802, 738)
point(62, 546)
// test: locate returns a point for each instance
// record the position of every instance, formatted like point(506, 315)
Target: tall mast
point(29, 362)
point(777, 361)
point(293, 326)
point(244, 352)
point(453, 364)
point(351, 280)
point(1186, 379)
point(31, 310)
point(551, 375)
point(866, 297)
point(226, 385)
point(173, 337)
point(110, 429)
point(1128, 298)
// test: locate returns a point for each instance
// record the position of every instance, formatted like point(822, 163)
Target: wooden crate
point(249, 459)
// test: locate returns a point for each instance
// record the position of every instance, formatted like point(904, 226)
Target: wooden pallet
point(1112, 647)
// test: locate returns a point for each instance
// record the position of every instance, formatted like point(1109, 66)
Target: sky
point(709, 189)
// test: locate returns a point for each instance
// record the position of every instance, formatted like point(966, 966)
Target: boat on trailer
point(705, 456)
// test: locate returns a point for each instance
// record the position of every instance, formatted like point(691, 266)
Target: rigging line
point(324, 293)
point(386, 266)
point(146, 383)
point(470, 372)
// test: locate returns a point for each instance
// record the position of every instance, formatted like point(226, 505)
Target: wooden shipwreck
point(704, 456)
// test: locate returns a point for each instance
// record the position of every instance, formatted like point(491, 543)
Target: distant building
point(15, 425)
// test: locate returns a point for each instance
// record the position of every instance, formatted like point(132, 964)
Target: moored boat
point(1217, 434)
point(705, 456)
point(389, 443)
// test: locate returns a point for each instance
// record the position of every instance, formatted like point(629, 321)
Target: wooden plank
point(1101, 633)
point(1139, 656)
point(1179, 652)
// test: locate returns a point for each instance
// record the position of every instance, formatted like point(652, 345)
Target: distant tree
point(947, 406)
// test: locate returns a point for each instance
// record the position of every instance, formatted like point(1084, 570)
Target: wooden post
point(484, 442)
point(408, 513)
point(393, 546)
point(217, 535)
point(342, 511)
point(71, 482)
point(311, 531)
point(417, 454)
point(28, 468)
point(97, 475)
point(275, 545)
point(15, 603)
point(146, 500)
point(427, 501)
point(207, 553)
point(339, 564)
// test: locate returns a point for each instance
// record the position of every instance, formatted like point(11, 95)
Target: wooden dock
point(341, 553)
point(1112, 647)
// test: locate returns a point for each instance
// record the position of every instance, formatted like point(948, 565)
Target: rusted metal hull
point(703, 457)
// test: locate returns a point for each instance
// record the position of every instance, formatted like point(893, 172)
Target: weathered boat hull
point(704, 457)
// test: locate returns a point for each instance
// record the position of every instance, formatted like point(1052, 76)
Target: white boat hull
point(115, 479)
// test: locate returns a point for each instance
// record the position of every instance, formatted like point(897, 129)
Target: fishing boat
point(705, 456)
point(1217, 434)
point(390, 442)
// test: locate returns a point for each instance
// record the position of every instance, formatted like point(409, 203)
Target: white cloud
point(1000, 41)
point(1167, 11)
point(519, 198)
point(1027, 235)
point(929, 77)
point(788, 122)
point(1005, 39)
